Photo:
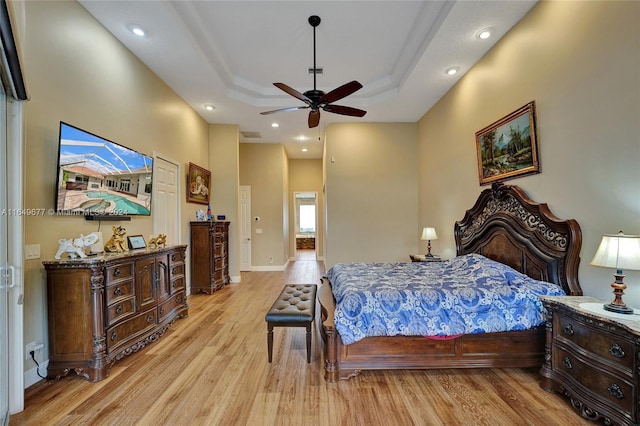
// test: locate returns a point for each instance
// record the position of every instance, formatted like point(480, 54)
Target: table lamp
point(620, 252)
point(429, 234)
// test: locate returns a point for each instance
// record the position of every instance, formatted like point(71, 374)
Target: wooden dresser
point(592, 357)
point(209, 256)
point(104, 308)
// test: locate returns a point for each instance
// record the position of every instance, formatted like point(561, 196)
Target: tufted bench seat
point(295, 307)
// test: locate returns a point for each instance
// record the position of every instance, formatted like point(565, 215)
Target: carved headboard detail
point(507, 226)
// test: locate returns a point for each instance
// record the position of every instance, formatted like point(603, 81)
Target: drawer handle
point(567, 363)
point(117, 291)
point(179, 299)
point(173, 257)
point(149, 318)
point(568, 329)
point(615, 391)
point(116, 273)
point(617, 351)
point(162, 310)
point(119, 309)
point(114, 336)
point(173, 270)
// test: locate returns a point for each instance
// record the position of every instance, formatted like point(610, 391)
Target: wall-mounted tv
point(100, 178)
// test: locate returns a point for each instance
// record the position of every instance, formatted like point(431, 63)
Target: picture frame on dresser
point(198, 184)
point(508, 148)
point(136, 242)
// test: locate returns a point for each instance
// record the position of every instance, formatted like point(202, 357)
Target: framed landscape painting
point(198, 184)
point(508, 148)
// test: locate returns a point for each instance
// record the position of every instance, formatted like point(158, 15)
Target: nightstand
point(423, 258)
point(592, 357)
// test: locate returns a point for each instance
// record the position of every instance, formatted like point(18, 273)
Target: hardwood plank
point(211, 368)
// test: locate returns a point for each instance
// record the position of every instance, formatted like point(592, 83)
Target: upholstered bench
point(295, 307)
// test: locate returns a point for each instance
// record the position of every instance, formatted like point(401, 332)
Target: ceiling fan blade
point(341, 92)
point(284, 110)
point(344, 110)
point(293, 92)
point(314, 118)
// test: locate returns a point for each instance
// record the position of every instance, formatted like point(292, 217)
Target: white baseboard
point(235, 279)
point(268, 268)
point(31, 376)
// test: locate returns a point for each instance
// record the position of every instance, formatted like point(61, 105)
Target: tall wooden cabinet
point(209, 256)
point(104, 308)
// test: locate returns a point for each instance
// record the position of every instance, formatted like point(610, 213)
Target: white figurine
point(200, 215)
point(75, 247)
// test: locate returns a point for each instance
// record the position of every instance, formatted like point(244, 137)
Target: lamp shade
point(429, 234)
point(618, 251)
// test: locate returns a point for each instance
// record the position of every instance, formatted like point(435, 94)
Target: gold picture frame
point(508, 148)
point(198, 184)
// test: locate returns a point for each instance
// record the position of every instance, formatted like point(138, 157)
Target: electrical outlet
point(270, 260)
point(27, 350)
point(32, 346)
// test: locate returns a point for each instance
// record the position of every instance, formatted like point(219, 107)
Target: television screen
point(99, 177)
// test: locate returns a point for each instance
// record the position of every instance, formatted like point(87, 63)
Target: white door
point(245, 227)
point(165, 199)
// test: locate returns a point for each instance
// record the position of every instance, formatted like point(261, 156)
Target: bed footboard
point(489, 350)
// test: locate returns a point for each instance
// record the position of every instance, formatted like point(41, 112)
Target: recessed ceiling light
point(452, 70)
point(484, 33)
point(302, 138)
point(304, 150)
point(209, 107)
point(275, 125)
point(137, 30)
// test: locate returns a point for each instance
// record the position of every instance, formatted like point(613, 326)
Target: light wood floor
point(211, 369)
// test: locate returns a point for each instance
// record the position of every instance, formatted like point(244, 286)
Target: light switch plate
point(31, 251)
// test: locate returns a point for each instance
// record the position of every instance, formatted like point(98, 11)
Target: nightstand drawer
point(598, 341)
point(617, 391)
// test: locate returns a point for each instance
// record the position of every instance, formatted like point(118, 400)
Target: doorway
point(306, 225)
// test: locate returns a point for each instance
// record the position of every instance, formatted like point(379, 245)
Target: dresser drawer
point(609, 346)
point(129, 330)
point(176, 258)
point(177, 269)
point(120, 310)
point(177, 284)
point(617, 391)
point(168, 306)
point(121, 271)
point(119, 291)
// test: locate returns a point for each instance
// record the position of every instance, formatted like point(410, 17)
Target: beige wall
point(264, 168)
point(224, 162)
point(306, 176)
point(580, 62)
point(78, 73)
point(371, 175)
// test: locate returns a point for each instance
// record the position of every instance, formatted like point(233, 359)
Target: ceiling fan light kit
point(315, 99)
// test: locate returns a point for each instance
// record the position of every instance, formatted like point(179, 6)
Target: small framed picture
point(136, 242)
point(199, 182)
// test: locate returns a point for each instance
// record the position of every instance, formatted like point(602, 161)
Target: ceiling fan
point(317, 99)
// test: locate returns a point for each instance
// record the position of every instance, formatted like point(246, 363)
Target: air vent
point(317, 71)
point(251, 135)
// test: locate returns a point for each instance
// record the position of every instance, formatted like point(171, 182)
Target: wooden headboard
point(507, 226)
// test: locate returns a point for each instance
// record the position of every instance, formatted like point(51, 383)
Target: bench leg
point(308, 343)
point(270, 340)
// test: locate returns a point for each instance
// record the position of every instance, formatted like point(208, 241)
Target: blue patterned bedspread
point(465, 295)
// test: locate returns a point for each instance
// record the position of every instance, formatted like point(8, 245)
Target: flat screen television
point(100, 178)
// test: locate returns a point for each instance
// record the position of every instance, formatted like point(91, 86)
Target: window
point(307, 218)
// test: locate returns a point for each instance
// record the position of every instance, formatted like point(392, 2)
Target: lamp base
point(618, 309)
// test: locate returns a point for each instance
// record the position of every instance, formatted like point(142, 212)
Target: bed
point(506, 226)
